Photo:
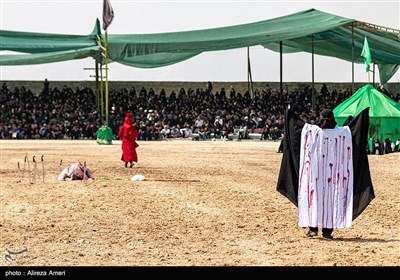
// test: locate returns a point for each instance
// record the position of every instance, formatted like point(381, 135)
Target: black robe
point(288, 180)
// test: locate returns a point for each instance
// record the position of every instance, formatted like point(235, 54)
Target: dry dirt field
point(202, 203)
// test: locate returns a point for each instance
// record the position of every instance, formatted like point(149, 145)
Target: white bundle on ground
point(137, 177)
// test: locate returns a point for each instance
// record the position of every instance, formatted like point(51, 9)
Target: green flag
point(366, 54)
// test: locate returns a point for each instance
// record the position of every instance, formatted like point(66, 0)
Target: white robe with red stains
point(325, 194)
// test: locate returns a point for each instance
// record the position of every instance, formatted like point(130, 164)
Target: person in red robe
point(128, 133)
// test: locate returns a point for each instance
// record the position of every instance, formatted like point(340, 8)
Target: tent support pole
point(101, 92)
point(281, 71)
point(249, 77)
point(312, 70)
point(106, 58)
point(352, 57)
point(97, 85)
point(373, 74)
point(248, 82)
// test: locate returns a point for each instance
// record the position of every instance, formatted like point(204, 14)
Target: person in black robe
point(288, 180)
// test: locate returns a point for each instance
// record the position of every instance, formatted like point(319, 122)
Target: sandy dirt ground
point(202, 203)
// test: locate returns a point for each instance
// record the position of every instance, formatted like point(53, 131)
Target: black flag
point(108, 14)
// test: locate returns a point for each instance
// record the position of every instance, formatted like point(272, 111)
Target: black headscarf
point(327, 119)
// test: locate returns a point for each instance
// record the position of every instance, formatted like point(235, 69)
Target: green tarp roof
point(330, 34)
point(384, 112)
point(39, 48)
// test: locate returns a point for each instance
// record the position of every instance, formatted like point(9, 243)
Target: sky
point(137, 17)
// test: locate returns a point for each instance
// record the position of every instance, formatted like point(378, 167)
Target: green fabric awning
point(48, 57)
point(40, 48)
point(330, 34)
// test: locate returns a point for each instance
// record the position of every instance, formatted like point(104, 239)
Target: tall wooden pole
point(101, 92)
point(106, 59)
point(373, 74)
point(314, 106)
point(97, 86)
point(281, 71)
point(249, 77)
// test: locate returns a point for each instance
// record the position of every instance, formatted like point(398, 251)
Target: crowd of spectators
point(67, 113)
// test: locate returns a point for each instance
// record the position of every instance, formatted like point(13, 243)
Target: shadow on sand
point(362, 240)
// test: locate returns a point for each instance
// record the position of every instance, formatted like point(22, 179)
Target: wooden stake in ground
point(84, 170)
point(35, 170)
point(23, 171)
point(60, 166)
point(42, 168)
point(29, 169)
point(19, 174)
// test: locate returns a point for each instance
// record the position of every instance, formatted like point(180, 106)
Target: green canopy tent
point(384, 112)
point(310, 31)
point(333, 36)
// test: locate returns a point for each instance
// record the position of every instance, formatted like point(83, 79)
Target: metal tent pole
point(314, 107)
point(281, 71)
point(249, 77)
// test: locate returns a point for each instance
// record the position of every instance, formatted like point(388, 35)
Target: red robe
point(128, 133)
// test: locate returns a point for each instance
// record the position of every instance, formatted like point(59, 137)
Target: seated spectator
point(265, 134)
point(224, 133)
point(176, 132)
point(166, 132)
point(207, 130)
point(15, 132)
point(388, 146)
point(187, 131)
point(230, 131)
point(243, 134)
point(218, 123)
point(202, 133)
point(397, 146)
point(377, 147)
point(275, 134)
point(44, 131)
point(3, 131)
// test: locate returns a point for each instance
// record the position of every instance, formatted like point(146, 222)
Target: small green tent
point(384, 112)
